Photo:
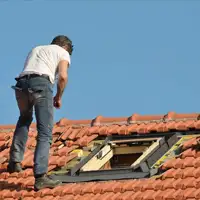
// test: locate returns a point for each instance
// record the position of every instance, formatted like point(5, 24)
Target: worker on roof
point(34, 89)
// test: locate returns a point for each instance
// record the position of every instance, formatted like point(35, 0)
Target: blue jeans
point(34, 93)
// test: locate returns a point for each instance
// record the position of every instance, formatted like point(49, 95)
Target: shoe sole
point(50, 187)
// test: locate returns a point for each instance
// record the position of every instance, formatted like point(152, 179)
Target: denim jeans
point(34, 93)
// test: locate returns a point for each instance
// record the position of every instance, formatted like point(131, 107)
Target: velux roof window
point(123, 157)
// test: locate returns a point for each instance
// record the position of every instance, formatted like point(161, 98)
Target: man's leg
point(44, 117)
point(21, 132)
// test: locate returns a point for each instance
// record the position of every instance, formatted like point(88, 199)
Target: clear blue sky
point(130, 56)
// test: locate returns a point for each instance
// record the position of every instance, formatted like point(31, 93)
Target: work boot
point(14, 167)
point(45, 182)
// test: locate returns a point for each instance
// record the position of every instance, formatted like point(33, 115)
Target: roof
point(180, 179)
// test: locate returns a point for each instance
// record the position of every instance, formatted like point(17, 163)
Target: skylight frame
point(142, 170)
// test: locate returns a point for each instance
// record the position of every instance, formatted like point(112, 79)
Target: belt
point(28, 76)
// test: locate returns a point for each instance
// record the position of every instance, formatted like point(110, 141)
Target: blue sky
point(130, 56)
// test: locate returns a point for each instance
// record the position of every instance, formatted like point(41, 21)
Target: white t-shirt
point(44, 60)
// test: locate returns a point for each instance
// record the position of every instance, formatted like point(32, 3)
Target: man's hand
point(57, 102)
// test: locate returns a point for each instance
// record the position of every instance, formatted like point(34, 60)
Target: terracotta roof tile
point(74, 133)
point(196, 162)
point(2, 144)
point(5, 153)
point(178, 184)
point(85, 140)
point(31, 142)
point(65, 190)
point(197, 194)
point(123, 130)
point(95, 197)
point(28, 162)
point(189, 193)
point(3, 160)
point(99, 120)
point(96, 188)
point(178, 173)
point(58, 191)
point(188, 162)
point(189, 172)
point(119, 195)
point(106, 196)
point(179, 181)
point(64, 151)
point(189, 143)
point(91, 130)
point(168, 164)
point(137, 195)
point(44, 192)
point(161, 127)
point(133, 128)
point(138, 185)
point(179, 194)
point(190, 153)
point(156, 185)
point(103, 130)
point(178, 163)
point(127, 185)
point(137, 117)
point(67, 197)
point(152, 127)
point(181, 126)
point(87, 196)
point(112, 129)
point(66, 131)
point(148, 195)
point(190, 182)
point(196, 172)
point(83, 132)
point(197, 125)
point(158, 195)
point(167, 184)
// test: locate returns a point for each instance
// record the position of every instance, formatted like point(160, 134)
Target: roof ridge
point(133, 119)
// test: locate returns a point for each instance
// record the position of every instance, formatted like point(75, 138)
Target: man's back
point(44, 60)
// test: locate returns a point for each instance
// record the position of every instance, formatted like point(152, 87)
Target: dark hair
point(63, 41)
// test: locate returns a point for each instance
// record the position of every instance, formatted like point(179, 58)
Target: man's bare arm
point(62, 77)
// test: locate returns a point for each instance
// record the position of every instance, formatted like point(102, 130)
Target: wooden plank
point(136, 140)
point(128, 149)
point(96, 164)
point(146, 153)
point(99, 159)
point(61, 146)
point(77, 167)
point(103, 152)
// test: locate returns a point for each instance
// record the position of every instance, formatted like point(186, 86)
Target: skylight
point(124, 157)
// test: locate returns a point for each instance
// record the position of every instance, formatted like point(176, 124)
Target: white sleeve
point(65, 56)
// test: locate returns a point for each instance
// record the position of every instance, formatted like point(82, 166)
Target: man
point(34, 89)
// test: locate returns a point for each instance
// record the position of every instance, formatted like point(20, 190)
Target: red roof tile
point(181, 180)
